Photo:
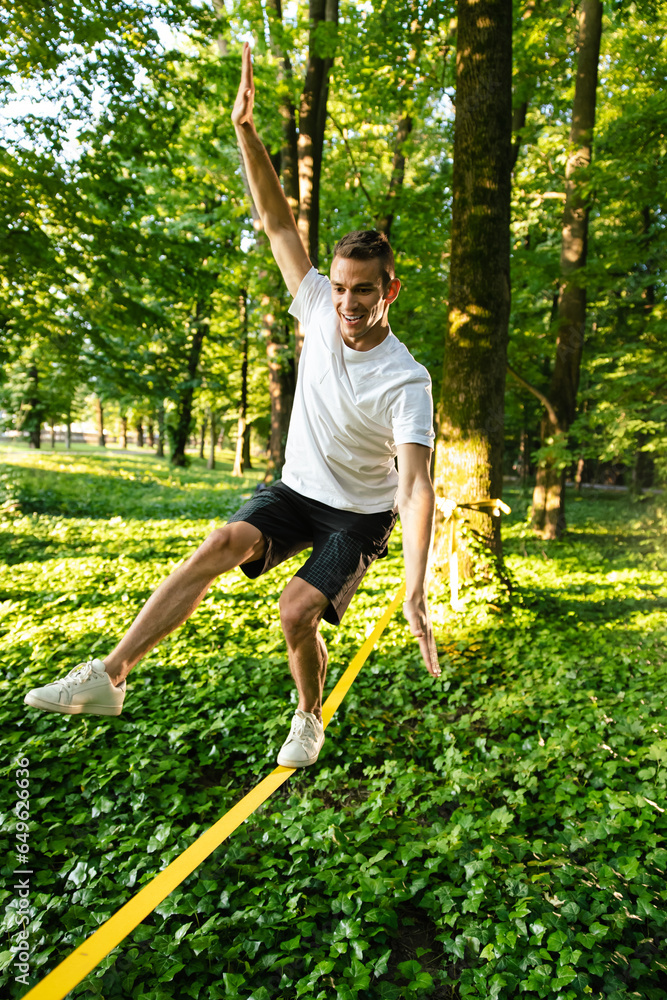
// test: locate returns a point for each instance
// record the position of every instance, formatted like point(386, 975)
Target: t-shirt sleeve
point(412, 414)
point(312, 297)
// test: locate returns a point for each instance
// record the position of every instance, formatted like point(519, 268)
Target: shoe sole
point(72, 709)
point(296, 763)
point(284, 761)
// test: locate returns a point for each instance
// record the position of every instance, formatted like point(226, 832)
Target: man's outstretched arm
point(416, 505)
point(270, 201)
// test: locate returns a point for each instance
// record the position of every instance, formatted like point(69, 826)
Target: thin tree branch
point(357, 172)
point(540, 395)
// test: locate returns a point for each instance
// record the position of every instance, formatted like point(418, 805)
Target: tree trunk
point(279, 345)
point(212, 435)
point(524, 452)
point(247, 460)
point(123, 431)
point(549, 498)
point(151, 431)
point(643, 471)
point(99, 420)
point(323, 16)
point(31, 417)
point(300, 169)
point(186, 392)
point(384, 221)
point(469, 448)
point(139, 428)
point(242, 427)
point(289, 171)
point(281, 390)
point(202, 436)
point(160, 429)
point(52, 428)
point(518, 124)
point(68, 435)
point(648, 293)
point(548, 512)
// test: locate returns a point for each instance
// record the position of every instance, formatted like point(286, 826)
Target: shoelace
point(299, 725)
point(78, 674)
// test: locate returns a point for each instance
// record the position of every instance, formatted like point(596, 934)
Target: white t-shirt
point(351, 410)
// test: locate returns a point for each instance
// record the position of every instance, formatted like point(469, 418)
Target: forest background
point(134, 279)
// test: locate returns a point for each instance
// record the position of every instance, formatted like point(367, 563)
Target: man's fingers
point(420, 626)
point(432, 662)
point(242, 110)
point(429, 651)
point(246, 66)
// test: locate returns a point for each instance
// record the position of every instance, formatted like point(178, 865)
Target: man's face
point(361, 301)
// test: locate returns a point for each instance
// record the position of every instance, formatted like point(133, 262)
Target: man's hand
point(242, 110)
point(417, 617)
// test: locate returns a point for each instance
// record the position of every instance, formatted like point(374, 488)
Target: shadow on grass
point(16, 549)
point(559, 604)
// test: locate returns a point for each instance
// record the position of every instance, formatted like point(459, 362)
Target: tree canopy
point(128, 235)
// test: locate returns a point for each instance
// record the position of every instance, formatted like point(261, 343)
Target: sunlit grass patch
point(102, 483)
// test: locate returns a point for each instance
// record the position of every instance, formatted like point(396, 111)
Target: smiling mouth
point(351, 319)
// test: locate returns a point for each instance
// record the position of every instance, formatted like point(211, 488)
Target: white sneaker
point(86, 688)
point(304, 742)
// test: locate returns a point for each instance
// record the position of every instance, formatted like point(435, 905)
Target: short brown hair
point(368, 244)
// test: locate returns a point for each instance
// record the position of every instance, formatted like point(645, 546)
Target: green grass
point(103, 483)
point(497, 833)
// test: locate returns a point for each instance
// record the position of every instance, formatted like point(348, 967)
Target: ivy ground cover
point(498, 833)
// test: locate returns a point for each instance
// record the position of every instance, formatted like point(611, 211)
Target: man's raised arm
point(270, 201)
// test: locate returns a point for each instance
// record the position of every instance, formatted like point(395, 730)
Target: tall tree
point(185, 391)
point(279, 328)
point(242, 457)
point(323, 16)
point(388, 155)
point(322, 39)
point(298, 161)
point(549, 494)
point(468, 465)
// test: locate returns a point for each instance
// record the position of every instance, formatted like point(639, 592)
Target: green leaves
point(498, 828)
point(417, 980)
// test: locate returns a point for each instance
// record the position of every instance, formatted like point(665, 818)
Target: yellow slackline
point(87, 956)
point(449, 509)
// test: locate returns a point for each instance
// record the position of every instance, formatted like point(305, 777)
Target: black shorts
point(344, 543)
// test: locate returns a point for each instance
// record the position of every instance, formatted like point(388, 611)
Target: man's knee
point(301, 609)
point(218, 542)
point(231, 545)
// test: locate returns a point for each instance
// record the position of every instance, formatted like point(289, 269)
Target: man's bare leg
point(178, 596)
point(301, 610)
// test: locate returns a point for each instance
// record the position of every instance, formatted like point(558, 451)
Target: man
point(361, 400)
